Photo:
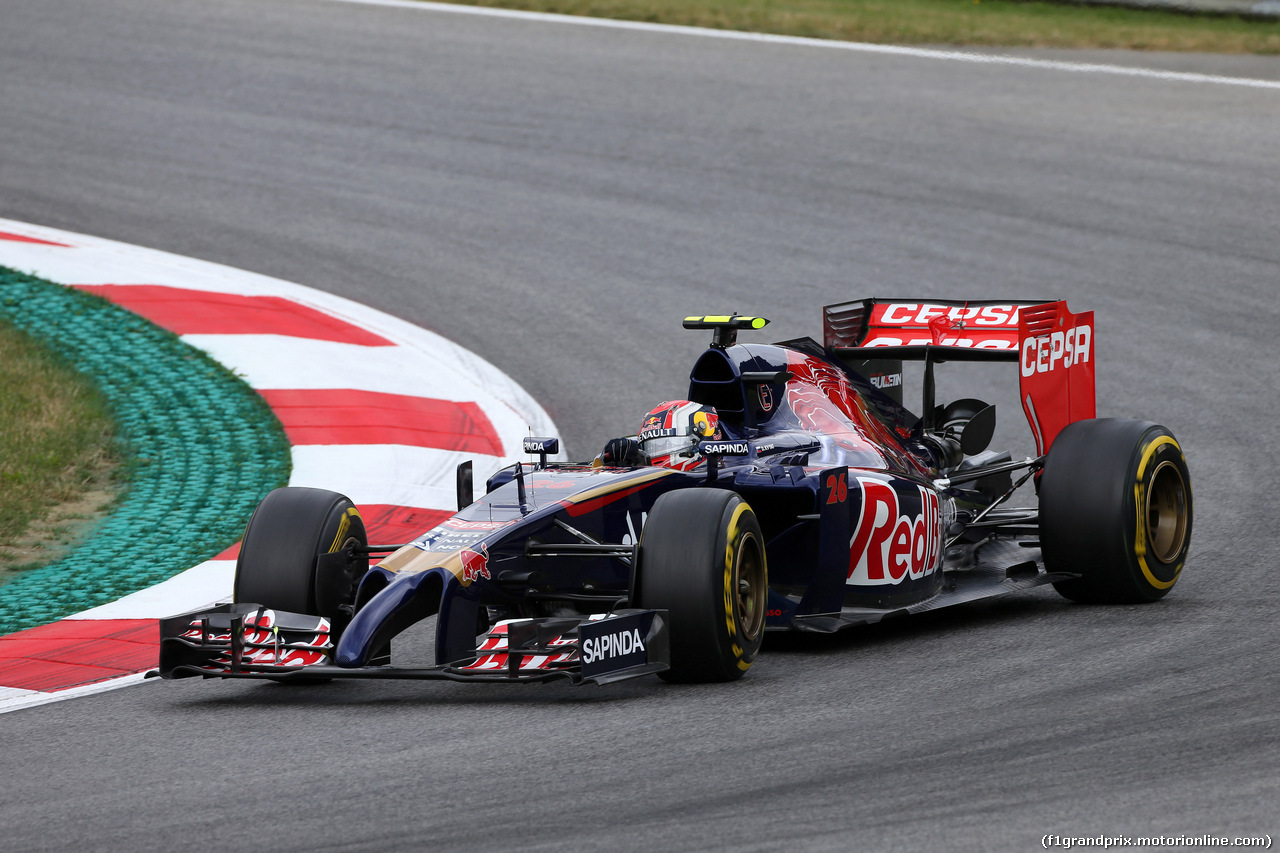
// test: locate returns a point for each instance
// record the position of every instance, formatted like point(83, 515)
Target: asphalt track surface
point(555, 198)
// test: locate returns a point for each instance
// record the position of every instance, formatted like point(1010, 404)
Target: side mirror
point(466, 494)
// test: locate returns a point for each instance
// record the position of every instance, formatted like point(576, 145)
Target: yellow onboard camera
point(726, 326)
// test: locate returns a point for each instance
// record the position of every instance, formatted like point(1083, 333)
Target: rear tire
point(1115, 508)
point(286, 533)
point(702, 558)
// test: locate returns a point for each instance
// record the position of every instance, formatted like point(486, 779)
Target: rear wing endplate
point(1055, 359)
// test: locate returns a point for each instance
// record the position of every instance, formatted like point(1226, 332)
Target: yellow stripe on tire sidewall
point(1139, 494)
point(343, 527)
point(730, 589)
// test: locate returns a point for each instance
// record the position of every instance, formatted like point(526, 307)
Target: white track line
point(31, 698)
point(829, 44)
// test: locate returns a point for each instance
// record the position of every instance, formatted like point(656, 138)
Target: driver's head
point(669, 434)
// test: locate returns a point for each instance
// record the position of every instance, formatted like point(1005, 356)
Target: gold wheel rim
point(753, 586)
point(1166, 512)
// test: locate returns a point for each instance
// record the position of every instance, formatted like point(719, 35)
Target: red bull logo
point(475, 563)
point(889, 544)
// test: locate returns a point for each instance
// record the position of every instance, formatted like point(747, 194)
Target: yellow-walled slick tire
point(285, 534)
point(1115, 508)
point(702, 558)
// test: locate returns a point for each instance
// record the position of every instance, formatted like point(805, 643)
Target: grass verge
point(59, 459)
point(202, 448)
point(1011, 23)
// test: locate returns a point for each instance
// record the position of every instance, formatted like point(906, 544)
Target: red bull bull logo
point(475, 563)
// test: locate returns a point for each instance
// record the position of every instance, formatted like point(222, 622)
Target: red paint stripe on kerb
point(398, 525)
point(199, 312)
point(345, 416)
point(19, 238)
point(77, 651)
point(384, 524)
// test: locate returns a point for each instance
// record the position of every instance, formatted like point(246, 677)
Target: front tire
point(1115, 508)
point(291, 527)
point(702, 558)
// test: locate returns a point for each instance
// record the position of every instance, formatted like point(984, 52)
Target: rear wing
point(938, 329)
point(1053, 347)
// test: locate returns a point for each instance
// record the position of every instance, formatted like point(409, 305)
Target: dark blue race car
point(793, 489)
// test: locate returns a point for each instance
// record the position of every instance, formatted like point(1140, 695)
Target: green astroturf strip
point(202, 448)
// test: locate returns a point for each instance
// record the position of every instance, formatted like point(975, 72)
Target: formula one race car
point(792, 490)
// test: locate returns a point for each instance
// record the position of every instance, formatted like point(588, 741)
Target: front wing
point(250, 641)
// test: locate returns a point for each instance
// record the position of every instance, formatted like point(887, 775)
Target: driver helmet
point(670, 433)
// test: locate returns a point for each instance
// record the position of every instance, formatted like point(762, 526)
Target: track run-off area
point(554, 198)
